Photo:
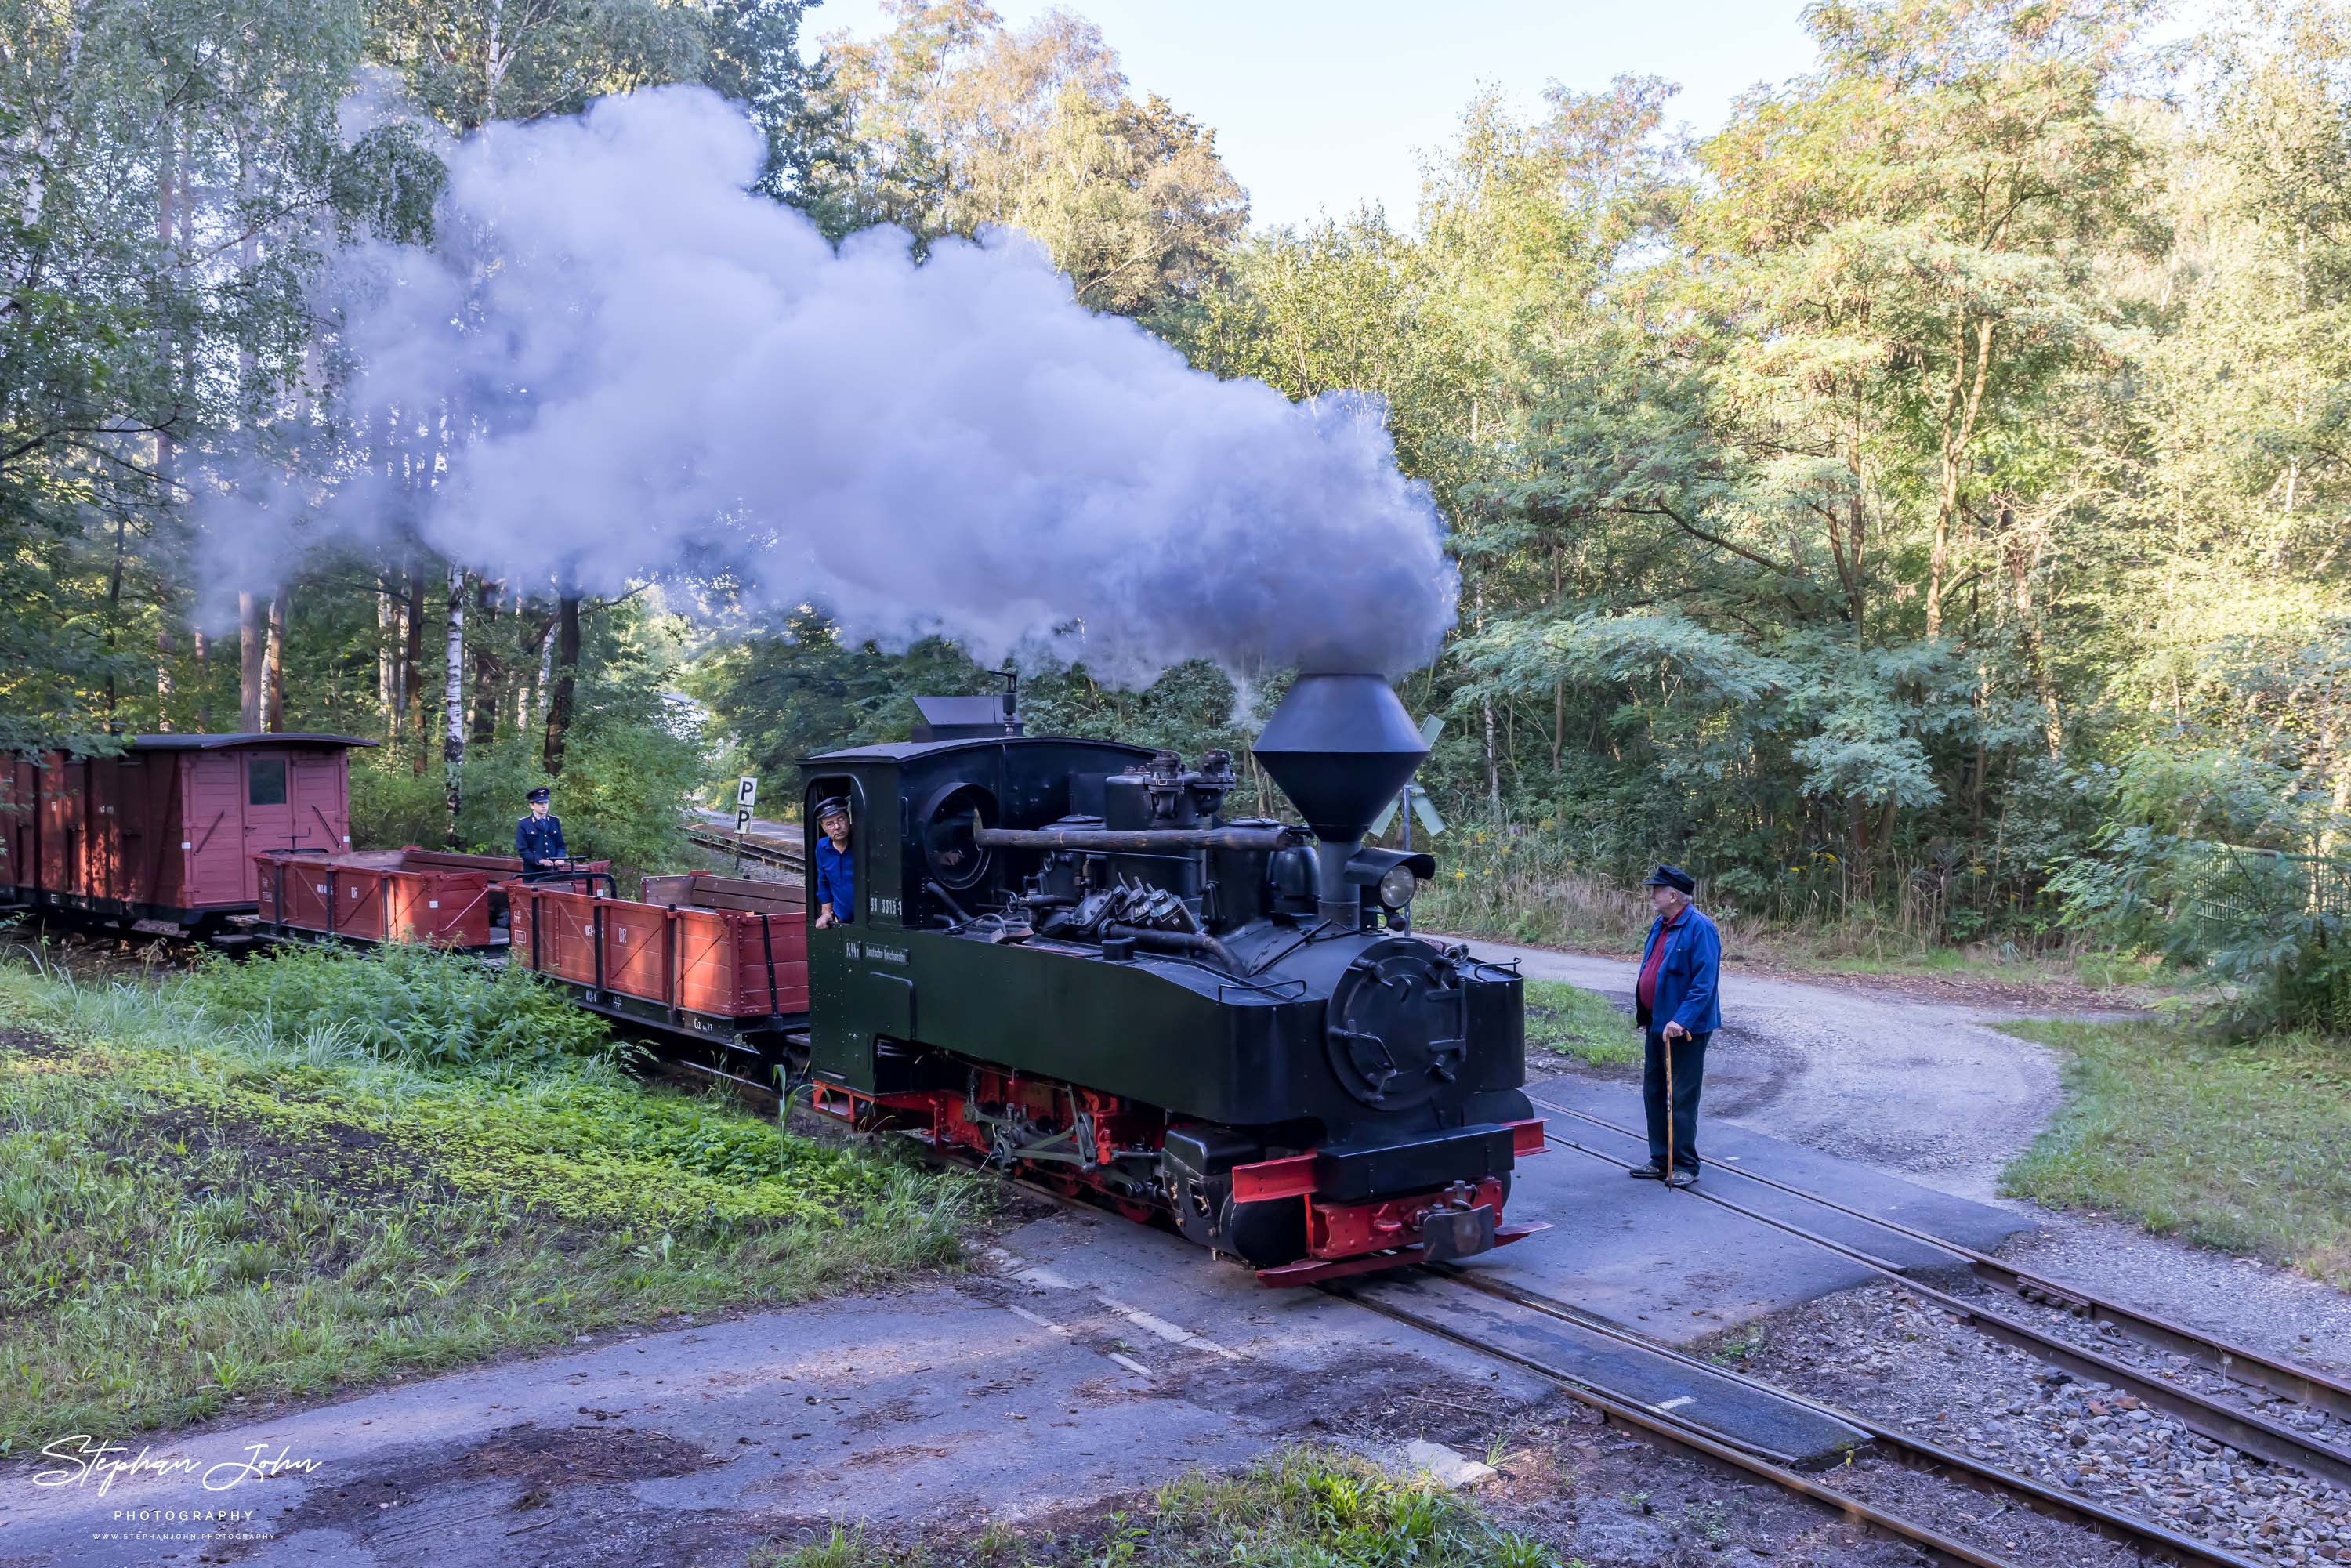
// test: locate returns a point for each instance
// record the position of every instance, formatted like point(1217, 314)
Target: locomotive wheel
point(1265, 1235)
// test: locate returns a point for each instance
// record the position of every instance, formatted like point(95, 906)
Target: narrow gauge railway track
point(2143, 1536)
point(2245, 1430)
point(2151, 1541)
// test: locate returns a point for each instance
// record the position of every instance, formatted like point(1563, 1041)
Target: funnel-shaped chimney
point(1340, 746)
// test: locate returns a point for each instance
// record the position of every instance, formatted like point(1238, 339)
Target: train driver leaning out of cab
point(538, 838)
point(836, 870)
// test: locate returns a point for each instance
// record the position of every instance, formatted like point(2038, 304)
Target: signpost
point(747, 795)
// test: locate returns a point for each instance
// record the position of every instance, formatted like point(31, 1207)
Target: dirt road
point(1922, 1089)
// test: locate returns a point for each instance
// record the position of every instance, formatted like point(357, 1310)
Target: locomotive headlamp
point(1389, 876)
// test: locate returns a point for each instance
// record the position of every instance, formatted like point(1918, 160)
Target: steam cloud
point(638, 368)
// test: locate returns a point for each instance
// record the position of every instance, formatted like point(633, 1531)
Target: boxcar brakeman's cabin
point(167, 830)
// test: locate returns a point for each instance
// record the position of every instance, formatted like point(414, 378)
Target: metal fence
point(2281, 888)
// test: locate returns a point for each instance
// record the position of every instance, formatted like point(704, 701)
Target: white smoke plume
point(636, 369)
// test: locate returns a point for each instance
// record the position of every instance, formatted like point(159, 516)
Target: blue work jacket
point(836, 880)
point(1688, 974)
point(537, 840)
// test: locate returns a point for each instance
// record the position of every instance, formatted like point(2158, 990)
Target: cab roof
point(177, 742)
point(901, 750)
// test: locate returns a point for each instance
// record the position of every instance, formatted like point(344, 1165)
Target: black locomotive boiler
point(1067, 962)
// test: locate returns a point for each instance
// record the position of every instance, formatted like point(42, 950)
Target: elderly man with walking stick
point(1675, 1004)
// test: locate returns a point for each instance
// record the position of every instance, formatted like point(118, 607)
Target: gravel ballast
point(1879, 1352)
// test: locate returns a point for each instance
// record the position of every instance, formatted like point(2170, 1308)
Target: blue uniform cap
point(535, 796)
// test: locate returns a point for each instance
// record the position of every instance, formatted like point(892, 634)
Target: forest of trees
point(1927, 489)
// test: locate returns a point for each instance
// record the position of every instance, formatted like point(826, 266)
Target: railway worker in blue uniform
point(1676, 1004)
point(835, 895)
point(538, 838)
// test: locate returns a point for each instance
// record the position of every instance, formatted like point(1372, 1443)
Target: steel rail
point(1622, 1413)
point(1625, 1414)
point(2242, 1431)
point(770, 852)
point(1913, 1453)
point(2232, 1360)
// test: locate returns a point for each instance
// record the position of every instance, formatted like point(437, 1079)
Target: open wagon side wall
point(686, 967)
point(405, 896)
point(739, 965)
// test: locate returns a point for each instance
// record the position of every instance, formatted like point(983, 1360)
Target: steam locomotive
point(1068, 963)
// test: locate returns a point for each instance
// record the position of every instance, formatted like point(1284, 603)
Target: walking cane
point(1665, 1045)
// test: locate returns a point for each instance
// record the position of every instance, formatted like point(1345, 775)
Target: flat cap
point(1672, 876)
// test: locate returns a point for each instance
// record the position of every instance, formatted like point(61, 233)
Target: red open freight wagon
point(166, 833)
point(719, 956)
point(436, 897)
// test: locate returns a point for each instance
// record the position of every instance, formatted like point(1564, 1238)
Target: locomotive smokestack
point(1340, 746)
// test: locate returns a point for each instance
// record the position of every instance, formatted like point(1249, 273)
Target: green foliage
point(198, 1206)
point(949, 123)
point(410, 1005)
point(116, 117)
point(2199, 862)
point(797, 691)
point(633, 762)
point(2244, 1147)
point(469, 62)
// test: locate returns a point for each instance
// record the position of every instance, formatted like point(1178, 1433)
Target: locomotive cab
point(1065, 957)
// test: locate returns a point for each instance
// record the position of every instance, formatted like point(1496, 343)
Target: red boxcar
point(168, 830)
point(432, 896)
point(697, 952)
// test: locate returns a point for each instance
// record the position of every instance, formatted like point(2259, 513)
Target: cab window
point(265, 781)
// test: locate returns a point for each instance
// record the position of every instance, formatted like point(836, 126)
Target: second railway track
point(2248, 1430)
point(2145, 1538)
point(774, 853)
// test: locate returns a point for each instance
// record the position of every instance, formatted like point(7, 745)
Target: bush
point(2198, 863)
point(622, 796)
point(412, 1005)
point(390, 805)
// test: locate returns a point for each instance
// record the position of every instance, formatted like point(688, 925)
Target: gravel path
point(1926, 1090)
point(1930, 1091)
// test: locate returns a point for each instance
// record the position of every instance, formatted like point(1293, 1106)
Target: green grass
point(2245, 1146)
point(1568, 1021)
point(1303, 1508)
point(203, 1200)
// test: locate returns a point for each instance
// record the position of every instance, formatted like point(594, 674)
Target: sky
point(1321, 106)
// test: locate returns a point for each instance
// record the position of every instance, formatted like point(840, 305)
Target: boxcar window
point(265, 781)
